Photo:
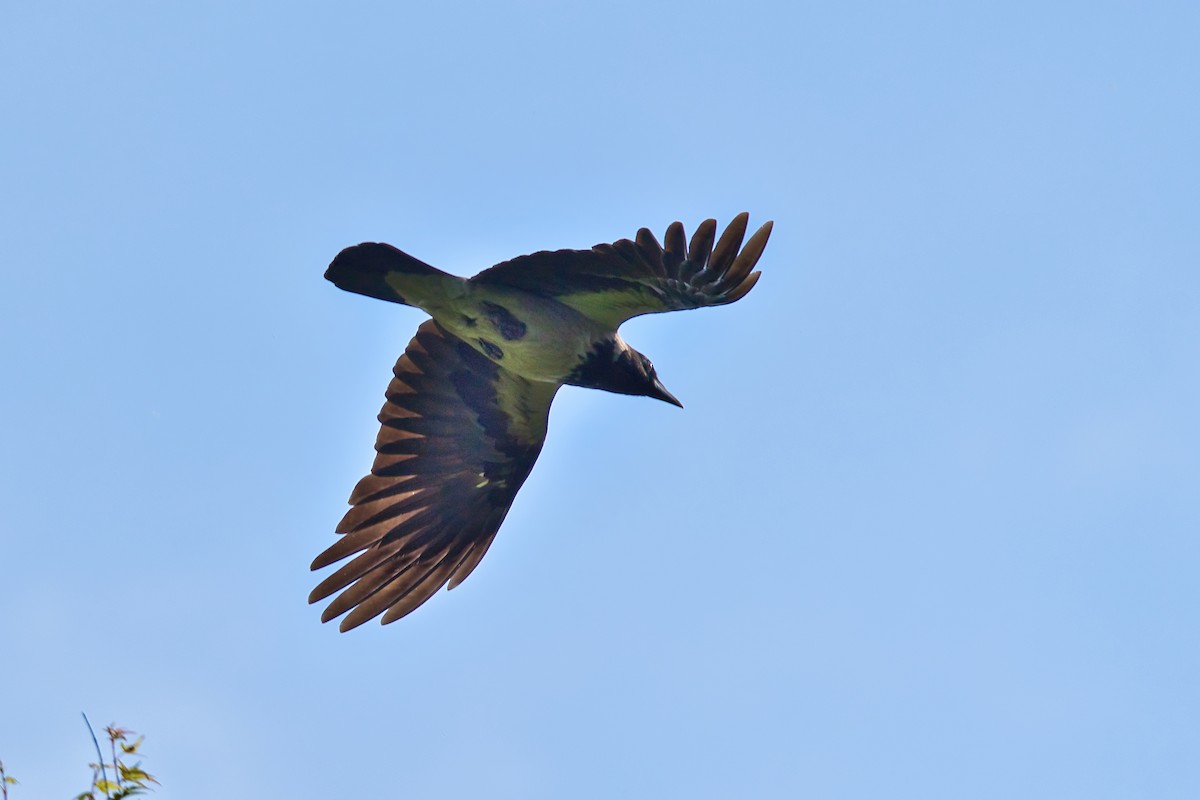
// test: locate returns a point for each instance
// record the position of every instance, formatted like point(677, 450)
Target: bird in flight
point(466, 412)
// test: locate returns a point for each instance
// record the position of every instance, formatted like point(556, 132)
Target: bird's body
point(492, 319)
point(466, 412)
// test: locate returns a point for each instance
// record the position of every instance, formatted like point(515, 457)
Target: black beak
point(659, 392)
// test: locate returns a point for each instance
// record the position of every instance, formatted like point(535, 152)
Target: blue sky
point(927, 526)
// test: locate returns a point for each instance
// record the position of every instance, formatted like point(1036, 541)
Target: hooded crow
point(466, 412)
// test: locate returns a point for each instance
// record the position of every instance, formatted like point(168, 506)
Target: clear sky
point(928, 526)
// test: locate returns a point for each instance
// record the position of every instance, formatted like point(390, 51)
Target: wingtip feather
point(743, 288)
point(724, 254)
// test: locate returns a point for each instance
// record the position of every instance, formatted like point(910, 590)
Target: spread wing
point(459, 437)
point(612, 282)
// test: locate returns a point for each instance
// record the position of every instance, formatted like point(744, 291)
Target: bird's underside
point(466, 410)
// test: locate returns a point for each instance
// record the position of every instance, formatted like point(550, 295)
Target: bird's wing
point(612, 282)
point(459, 437)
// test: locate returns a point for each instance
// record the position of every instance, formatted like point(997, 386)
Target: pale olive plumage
point(466, 412)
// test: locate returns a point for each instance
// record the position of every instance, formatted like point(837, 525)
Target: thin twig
point(112, 740)
point(99, 755)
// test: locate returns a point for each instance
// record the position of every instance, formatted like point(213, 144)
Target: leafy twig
point(128, 780)
point(5, 782)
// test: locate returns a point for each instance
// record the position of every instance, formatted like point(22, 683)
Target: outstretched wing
point(459, 437)
point(612, 282)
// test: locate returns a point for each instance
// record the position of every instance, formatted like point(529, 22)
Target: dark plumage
point(466, 412)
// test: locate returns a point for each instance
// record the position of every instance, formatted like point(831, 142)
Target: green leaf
point(129, 791)
point(136, 773)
